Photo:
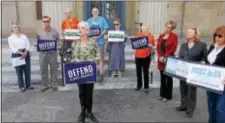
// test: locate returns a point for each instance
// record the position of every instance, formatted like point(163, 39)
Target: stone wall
point(204, 15)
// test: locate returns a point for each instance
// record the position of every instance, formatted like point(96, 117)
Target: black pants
point(166, 87)
point(188, 96)
point(24, 70)
point(86, 96)
point(142, 64)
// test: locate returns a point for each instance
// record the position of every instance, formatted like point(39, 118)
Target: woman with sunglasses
point(192, 50)
point(116, 54)
point(166, 46)
point(216, 56)
point(20, 46)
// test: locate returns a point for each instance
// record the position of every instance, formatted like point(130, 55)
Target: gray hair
point(83, 24)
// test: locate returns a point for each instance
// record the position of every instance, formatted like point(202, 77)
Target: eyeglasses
point(218, 35)
point(16, 27)
point(46, 21)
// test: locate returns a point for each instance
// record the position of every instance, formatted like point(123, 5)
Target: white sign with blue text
point(209, 77)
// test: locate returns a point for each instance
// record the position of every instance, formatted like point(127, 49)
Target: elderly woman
point(192, 50)
point(85, 50)
point(20, 46)
point(116, 54)
point(166, 46)
point(216, 56)
point(143, 59)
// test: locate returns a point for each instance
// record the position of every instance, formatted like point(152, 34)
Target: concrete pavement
point(124, 105)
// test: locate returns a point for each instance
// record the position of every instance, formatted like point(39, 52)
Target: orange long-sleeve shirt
point(142, 53)
point(69, 24)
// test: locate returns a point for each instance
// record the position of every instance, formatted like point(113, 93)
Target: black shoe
point(179, 109)
point(189, 115)
point(81, 118)
point(137, 89)
point(92, 117)
point(30, 88)
point(22, 89)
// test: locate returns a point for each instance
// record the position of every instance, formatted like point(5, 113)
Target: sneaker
point(92, 117)
point(119, 74)
point(137, 89)
point(113, 74)
point(160, 98)
point(30, 88)
point(165, 100)
point(81, 118)
point(22, 89)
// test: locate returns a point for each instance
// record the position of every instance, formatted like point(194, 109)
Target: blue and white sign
point(208, 77)
point(46, 45)
point(139, 42)
point(80, 72)
point(94, 31)
point(176, 67)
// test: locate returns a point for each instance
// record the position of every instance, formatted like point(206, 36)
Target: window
point(38, 10)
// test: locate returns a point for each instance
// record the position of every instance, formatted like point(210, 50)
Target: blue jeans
point(216, 107)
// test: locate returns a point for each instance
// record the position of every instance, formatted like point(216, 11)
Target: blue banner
point(139, 43)
point(94, 31)
point(80, 72)
point(46, 45)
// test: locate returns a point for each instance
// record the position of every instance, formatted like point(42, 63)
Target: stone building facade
point(204, 15)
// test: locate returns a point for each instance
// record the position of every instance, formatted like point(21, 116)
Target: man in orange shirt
point(69, 23)
point(143, 59)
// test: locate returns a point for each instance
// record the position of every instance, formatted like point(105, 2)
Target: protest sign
point(46, 45)
point(116, 36)
point(71, 34)
point(94, 31)
point(80, 72)
point(208, 77)
point(177, 68)
point(139, 42)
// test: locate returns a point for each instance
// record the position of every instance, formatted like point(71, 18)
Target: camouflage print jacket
point(90, 52)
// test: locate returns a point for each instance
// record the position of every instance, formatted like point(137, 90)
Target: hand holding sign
point(46, 45)
point(140, 42)
point(71, 34)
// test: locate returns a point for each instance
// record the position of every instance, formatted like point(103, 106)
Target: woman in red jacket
point(166, 46)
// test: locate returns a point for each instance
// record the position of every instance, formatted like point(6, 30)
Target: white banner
point(116, 36)
point(177, 67)
point(206, 76)
point(71, 34)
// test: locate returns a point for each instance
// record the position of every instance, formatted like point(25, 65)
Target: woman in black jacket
point(216, 56)
point(192, 50)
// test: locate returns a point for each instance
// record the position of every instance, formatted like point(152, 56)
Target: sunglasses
point(46, 21)
point(218, 35)
point(116, 24)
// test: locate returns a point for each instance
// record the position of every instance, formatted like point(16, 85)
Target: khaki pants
point(50, 59)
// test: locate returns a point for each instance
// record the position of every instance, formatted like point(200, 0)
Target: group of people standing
point(93, 49)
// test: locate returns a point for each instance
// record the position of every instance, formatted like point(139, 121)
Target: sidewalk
point(109, 106)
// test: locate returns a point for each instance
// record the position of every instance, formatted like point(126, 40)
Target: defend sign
point(208, 77)
point(46, 45)
point(116, 36)
point(71, 34)
point(80, 72)
point(140, 42)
